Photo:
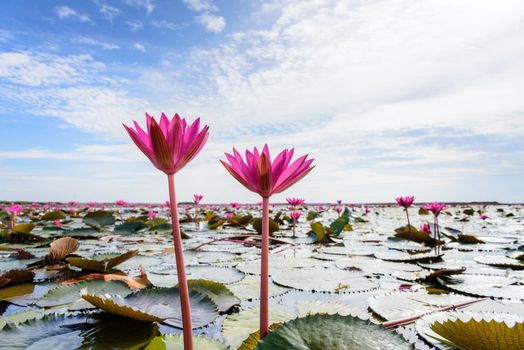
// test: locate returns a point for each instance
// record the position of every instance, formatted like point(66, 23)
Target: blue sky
point(390, 97)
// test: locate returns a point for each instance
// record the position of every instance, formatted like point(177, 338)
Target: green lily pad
point(238, 327)
point(70, 293)
point(473, 331)
point(157, 304)
point(411, 233)
point(176, 342)
point(320, 332)
point(249, 288)
point(257, 226)
point(99, 219)
point(129, 227)
point(323, 280)
point(218, 292)
point(98, 331)
point(102, 262)
point(53, 215)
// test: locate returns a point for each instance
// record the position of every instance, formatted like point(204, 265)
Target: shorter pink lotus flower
point(71, 211)
point(197, 198)
point(58, 223)
point(339, 210)
point(339, 202)
point(484, 217)
point(295, 215)
point(425, 228)
point(319, 208)
point(151, 215)
point(405, 202)
point(15, 209)
point(435, 208)
point(92, 204)
point(230, 216)
point(234, 205)
point(295, 202)
point(121, 203)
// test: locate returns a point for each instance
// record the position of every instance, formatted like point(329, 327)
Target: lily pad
point(99, 219)
point(13, 277)
point(61, 248)
point(218, 292)
point(54, 215)
point(249, 288)
point(319, 332)
point(102, 262)
point(61, 332)
point(500, 261)
point(472, 331)
point(176, 342)
point(323, 280)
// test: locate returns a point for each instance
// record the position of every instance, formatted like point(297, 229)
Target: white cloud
point(139, 47)
point(5, 35)
point(146, 4)
point(201, 5)
point(167, 25)
point(135, 25)
point(109, 12)
point(212, 23)
point(94, 42)
point(64, 12)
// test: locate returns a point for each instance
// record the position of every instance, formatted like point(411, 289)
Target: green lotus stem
point(264, 272)
point(187, 327)
point(411, 319)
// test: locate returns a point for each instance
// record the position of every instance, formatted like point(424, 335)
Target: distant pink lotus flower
point(405, 202)
point(15, 209)
point(259, 174)
point(425, 228)
point(151, 215)
point(295, 202)
point(121, 203)
point(92, 204)
point(58, 223)
point(295, 215)
point(149, 206)
point(339, 202)
point(197, 198)
point(230, 216)
point(46, 206)
point(170, 145)
point(234, 205)
point(339, 210)
point(319, 208)
point(484, 217)
point(436, 209)
point(366, 210)
point(71, 204)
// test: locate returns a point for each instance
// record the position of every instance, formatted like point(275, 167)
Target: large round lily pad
point(64, 332)
point(323, 280)
point(320, 332)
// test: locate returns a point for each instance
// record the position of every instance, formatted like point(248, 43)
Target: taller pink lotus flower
point(436, 208)
point(406, 202)
point(170, 145)
point(197, 198)
point(260, 174)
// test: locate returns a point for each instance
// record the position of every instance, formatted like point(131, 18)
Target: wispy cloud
point(135, 25)
point(139, 47)
point(64, 12)
point(95, 42)
point(146, 4)
point(212, 23)
point(5, 35)
point(109, 12)
point(201, 5)
point(167, 25)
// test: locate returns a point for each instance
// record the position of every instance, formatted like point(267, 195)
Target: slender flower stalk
point(261, 175)
point(170, 145)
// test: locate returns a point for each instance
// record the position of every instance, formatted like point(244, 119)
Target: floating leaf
point(70, 293)
point(249, 288)
point(18, 290)
point(500, 261)
point(54, 215)
point(23, 228)
point(469, 239)
point(331, 332)
point(99, 219)
point(15, 276)
point(257, 226)
point(323, 280)
point(157, 304)
point(218, 292)
point(61, 248)
point(98, 331)
point(412, 234)
point(176, 342)
point(473, 331)
point(102, 262)
point(130, 227)
point(238, 327)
